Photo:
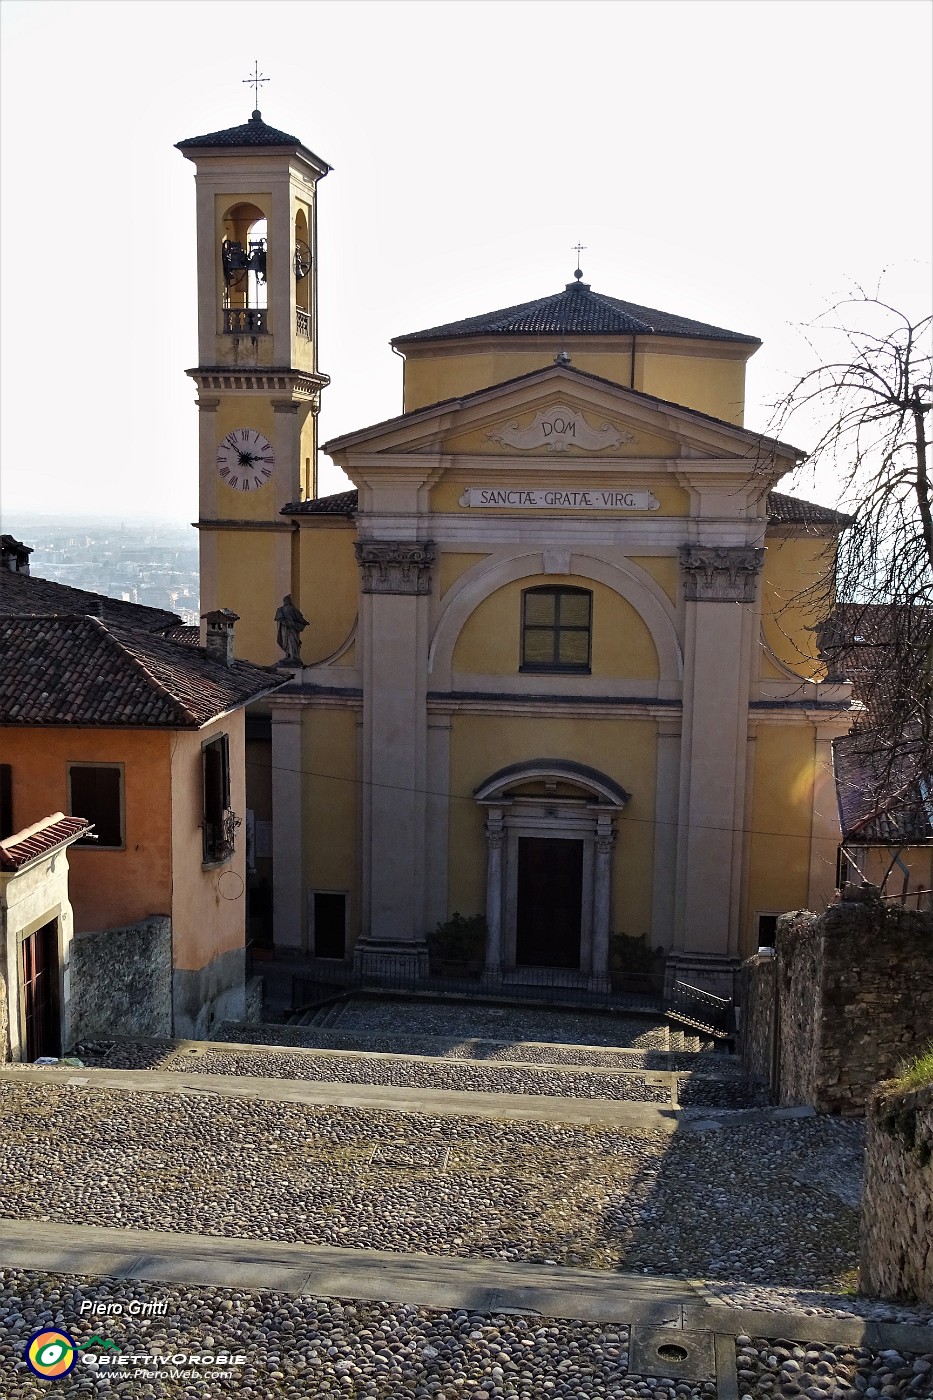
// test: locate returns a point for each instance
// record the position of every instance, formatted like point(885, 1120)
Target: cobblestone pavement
point(741, 1204)
point(469, 1019)
point(769, 1368)
point(310, 1348)
point(480, 1079)
point(156, 1054)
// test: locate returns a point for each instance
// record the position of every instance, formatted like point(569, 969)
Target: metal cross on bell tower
point(255, 81)
point(579, 248)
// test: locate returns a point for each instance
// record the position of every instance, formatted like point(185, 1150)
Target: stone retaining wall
point(850, 998)
point(756, 1027)
point(897, 1197)
point(122, 981)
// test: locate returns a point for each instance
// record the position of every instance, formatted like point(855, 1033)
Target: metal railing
point(701, 1007)
point(541, 986)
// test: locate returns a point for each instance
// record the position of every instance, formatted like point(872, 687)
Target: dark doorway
point(40, 992)
point(550, 893)
point(330, 924)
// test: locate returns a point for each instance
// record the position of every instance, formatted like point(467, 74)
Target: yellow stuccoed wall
point(779, 849)
point(490, 642)
point(791, 566)
point(622, 749)
point(665, 570)
point(246, 582)
point(328, 588)
point(331, 805)
point(703, 380)
point(452, 566)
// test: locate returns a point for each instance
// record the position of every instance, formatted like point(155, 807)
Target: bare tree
point(876, 599)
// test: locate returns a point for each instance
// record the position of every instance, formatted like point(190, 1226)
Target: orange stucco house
point(115, 713)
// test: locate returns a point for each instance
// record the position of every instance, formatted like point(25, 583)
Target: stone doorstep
point(430, 1281)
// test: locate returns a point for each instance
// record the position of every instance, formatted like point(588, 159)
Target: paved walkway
point(540, 1108)
point(421, 1279)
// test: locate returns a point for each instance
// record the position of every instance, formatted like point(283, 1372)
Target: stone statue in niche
point(290, 624)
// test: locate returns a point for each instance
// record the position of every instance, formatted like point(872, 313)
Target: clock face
point(245, 459)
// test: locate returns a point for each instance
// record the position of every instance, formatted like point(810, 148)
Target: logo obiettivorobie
point(51, 1353)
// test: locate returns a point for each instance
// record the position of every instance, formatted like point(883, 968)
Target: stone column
point(396, 584)
point(602, 895)
point(718, 581)
point(495, 840)
point(287, 881)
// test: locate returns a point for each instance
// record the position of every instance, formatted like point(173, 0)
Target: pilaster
point(720, 587)
point(287, 866)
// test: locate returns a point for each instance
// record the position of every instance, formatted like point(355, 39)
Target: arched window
point(556, 629)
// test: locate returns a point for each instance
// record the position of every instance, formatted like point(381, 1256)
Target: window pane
point(575, 609)
point(574, 648)
point(95, 794)
point(539, 646)
point(539, 609)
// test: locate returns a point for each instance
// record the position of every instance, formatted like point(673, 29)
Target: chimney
point(219, 635)
point(95, 608)
point(14, 555)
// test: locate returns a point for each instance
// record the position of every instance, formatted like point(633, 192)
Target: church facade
point(555, 669)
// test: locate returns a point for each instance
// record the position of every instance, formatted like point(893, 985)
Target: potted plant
point(457, 947)
point(634, 966)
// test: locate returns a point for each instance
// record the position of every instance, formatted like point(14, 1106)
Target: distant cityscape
point(150, 561)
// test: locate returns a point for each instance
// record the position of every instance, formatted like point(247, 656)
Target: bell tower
point(258, 381)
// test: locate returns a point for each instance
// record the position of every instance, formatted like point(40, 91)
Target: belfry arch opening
point(243, 259)
point(302, 269)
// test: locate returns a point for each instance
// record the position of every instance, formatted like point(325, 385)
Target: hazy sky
point(740, 163)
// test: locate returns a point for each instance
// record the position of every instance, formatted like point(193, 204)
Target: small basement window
point(95, 791)
point(217, 824)
point(767, 930)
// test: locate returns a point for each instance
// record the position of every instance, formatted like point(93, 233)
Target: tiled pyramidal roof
point(82, 670)
point(577, 310)
point(23, 847)
point(255, 132)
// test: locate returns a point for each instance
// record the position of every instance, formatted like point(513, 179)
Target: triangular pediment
point(560, 414)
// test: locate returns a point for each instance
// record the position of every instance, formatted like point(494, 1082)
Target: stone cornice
point(301, 384)
point(243, 525)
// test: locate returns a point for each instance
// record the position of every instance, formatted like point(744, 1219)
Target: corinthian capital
point(392, 566)
point(720, 573)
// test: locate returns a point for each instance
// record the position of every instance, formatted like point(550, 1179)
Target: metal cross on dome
point(255, 81)
point(579, 248)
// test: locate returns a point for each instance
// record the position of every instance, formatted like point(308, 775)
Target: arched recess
point(243, 257)
point(628, 580)
point(559, 817)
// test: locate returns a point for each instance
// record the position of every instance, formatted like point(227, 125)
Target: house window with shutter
point(217, 824)
point(95, 791)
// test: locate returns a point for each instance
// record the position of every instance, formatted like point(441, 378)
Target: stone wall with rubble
point(756, 1017)
point(4, 1018)
point(121, 981)
point(854, 999)
point(897, 1197)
